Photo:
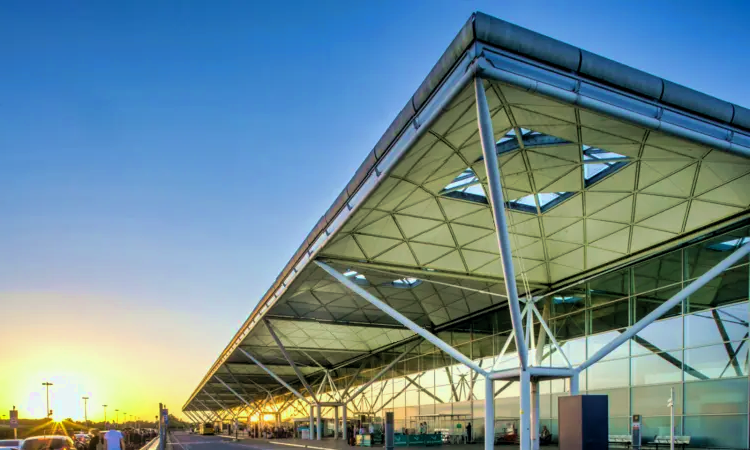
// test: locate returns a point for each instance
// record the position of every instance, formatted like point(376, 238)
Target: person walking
point(113, 439)
point(95, 440)
point(468, 432)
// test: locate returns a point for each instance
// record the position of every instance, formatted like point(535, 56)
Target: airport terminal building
point(537, 222)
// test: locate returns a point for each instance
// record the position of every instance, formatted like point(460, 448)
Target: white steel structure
point(522, 167)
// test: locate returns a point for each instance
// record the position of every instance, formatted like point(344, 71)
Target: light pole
point(105, 415)
point(125, 418)
point(86, 410)
point(117, 417)
point(47, 384)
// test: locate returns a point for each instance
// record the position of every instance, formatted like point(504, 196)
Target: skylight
point(406, 282)
point(356, 276)
point(729, 245)
point(466, 186)
point(599, 163)
point(546, 201)
point(558, 299)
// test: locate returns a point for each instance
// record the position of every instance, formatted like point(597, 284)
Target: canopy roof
point(585, 192)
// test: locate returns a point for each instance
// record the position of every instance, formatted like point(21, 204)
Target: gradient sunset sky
point(161, 161)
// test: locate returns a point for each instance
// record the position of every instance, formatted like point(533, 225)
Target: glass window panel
point(506, 407)
point(648, 302)
point(544, 406)
point(654, 275)
point(574, 349)
point(597, 341)
point(729, 287)
point(652, 400)
point(619, 425)
point(610, 287)
point(717, 431)
point(660, 336)
point(608, 374)
point(658, 426)
point(657, 368)
point(619, 401)
point(610, 316)
point(569, 327)
point(714, 361)
point(711, 327)
point(716, 397)
point(567, 301)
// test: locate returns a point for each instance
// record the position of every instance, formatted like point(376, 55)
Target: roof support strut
point(383, 371)
point(403, 320)
point(290, 360)
point(489, 151)
point(669, 304)
point(233, 391)
point(275, 377)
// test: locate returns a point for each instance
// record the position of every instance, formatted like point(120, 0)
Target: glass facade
point(699, 349)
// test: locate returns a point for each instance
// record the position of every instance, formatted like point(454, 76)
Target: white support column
point(403, 320)
point(489, 413)
point(525, 428)
point(489, 151)
point(312, 422)
point(574, 384)
point(319, 434)
point(535, 429)
point(344, 424)
point(335, 422)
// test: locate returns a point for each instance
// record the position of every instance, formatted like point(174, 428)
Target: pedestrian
point(94, 441)
point(113, 439)
point(468, 432)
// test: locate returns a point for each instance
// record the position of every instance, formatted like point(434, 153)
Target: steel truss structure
point(521, 166)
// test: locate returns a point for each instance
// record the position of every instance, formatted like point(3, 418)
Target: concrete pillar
point(525, 428)
point(489, 413)
point(535, 415)
point(319, 434)
point(336, 422)
point(312, 422)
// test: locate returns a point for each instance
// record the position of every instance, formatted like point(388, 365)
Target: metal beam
point(290, 360)
point(436, 341)
point(383, 371)
point(273, 375)
point(419, 386)
point(489, 150)
point(669, 304)
point(232, 391)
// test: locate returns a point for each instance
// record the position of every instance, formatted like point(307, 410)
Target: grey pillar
point(535, 415)
point(344, 424)
point(336, 422)
point(320, 425)
point(489, 413)
point(525, 430)
point(312, 422)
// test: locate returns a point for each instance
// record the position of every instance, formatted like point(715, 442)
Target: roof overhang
point(678, 169)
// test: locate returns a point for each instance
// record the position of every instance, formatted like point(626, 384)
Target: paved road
point(183, 441)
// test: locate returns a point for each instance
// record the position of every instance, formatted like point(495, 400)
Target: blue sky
point(167, 158)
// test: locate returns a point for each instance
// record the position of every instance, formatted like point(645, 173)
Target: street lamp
point(47, 384)
point(86, 410)
point(105, 415)
point(117, 417)
point(125, 418)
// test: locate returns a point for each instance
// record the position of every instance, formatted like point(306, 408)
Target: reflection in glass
point(657, 368)
point(716, 397)
point(717, 361)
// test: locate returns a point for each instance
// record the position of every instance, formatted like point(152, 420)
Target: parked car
point(81, 440)
point(10, 444)
point(48, 442)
